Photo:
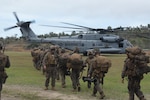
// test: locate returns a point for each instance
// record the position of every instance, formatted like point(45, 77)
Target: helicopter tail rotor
point(19, 23)
point(6, 29)
point(16, 16)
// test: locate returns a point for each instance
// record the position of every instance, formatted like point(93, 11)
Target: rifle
point(88, 79)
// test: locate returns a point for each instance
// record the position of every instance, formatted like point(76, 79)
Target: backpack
point(4, 61)
point(75, 61)
point(141, 61)
point(134, 50)
point(102, 64)
point(63, 59)
point(131, 69)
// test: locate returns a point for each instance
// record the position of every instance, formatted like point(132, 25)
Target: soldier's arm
point(123, 74)
point(90, 70)
point(45, 59)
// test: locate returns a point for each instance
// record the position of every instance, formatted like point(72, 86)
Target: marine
point(4, 63)
point(99, 67)
point(75, 63)
point(87, 62)
point(134, 68)
point(50, 65)
point(62, 63)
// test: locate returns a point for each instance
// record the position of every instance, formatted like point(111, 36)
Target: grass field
point(23, 74)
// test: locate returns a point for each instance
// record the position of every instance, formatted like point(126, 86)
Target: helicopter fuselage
point(106, 43)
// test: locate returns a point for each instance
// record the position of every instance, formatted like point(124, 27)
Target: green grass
point(23, 73)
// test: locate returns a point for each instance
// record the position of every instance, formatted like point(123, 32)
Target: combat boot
point(94, 95)
point(74, 90)
point(46, 88)
point(102, 95)
point(79, 88)
point(53, 88)
point(142, 98)
point(63, 86)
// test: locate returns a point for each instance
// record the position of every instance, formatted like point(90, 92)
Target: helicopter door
point(120, 45)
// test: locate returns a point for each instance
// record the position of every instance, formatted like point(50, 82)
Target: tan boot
point(142, 98)
point(53, 88)
point(46, 88)
point(94, 95)
point(74, 90)
point(79, 88)
point(63, 86)
point(102, 95)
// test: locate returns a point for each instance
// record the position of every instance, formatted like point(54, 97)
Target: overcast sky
point(90, 13)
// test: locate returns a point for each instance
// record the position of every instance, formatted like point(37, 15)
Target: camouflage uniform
point(88, 62)
point(131, 71)
point(50, 64)
point(75, 73)
point(4, 63)
point(63, 66)
point(97, 75)
point(35, 53)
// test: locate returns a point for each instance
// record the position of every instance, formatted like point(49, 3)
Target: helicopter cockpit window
point(80, 36)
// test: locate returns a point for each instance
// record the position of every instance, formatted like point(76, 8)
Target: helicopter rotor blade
point(77, 25)
point(16, 16)
point(61, 26)
point(87, 28)
point(6, 29)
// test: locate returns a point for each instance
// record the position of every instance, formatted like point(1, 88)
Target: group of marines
point(56, 62)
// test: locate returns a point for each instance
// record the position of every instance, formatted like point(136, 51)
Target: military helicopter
point(106, 43)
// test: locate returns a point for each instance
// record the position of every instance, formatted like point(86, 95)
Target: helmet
point(90, 53)
point(52, 47)
point(63, 51)
point(76, 50)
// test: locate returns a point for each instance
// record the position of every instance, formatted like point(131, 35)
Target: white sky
point(90, 13)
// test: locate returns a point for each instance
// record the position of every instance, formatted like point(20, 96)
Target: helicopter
point(106, 43)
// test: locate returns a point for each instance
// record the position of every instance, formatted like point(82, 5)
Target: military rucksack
point(134, 50)
point(4, 61)
point(131, 69)
point(75, 61)
point(142, 59)
point(63, 59)
point(141, 62)
point(36, 55)
point(101, 64)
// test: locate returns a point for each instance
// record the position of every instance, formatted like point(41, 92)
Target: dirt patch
point(16, 92)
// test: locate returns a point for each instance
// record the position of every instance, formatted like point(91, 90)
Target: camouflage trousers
point(97, 87)
point(51, 73)
point(3, 77)
point(63, 76)
point(134, 88)
point(75, 78)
